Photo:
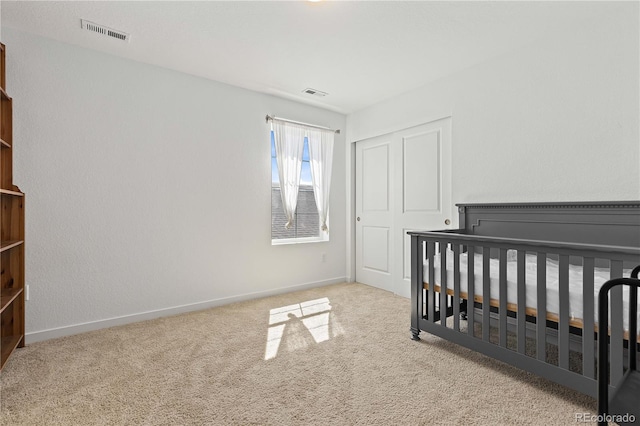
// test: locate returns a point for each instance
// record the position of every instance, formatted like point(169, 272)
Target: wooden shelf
point(6, 136)
point(7, 345)
point(8, 296)
point(2, 67)
point(12, 251)
point(10, 192)
point(8, 245)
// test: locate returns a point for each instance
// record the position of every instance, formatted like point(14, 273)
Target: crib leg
point(414, 334)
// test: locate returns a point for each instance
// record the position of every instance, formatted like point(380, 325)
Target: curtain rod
point(272, 117)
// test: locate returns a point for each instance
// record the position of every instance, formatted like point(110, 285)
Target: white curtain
point(289, 142)
point(321, 159)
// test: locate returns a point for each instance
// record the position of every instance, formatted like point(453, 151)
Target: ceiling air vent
point(315, 92)
point(106, 31)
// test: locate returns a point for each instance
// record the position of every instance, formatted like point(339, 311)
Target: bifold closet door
point(373, 212)
point(403, 183)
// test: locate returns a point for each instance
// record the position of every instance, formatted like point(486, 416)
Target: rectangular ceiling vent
point(315, 92)
point(106, 31)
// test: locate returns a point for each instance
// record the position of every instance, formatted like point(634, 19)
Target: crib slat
point(588, 357)
point(502, 296)
point(471, 277)
point(563, 326)
point(541, 323)
point(486, 294)
point(443, 283)
point(456, 287)
point(417, 283)
point(633, 326)
point(522, 298)
point(617, 328)
point(431, 250)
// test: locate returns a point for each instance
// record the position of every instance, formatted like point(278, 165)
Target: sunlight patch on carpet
point(296, 323)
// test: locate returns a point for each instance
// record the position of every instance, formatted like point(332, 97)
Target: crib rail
point(432, 305)
point(459, 235)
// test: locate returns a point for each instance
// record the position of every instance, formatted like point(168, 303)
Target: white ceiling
point(359, 52)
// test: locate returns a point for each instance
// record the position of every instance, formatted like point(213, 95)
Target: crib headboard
point(615, 223)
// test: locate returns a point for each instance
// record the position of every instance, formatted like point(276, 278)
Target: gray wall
point(149, 191)
point(557, 120)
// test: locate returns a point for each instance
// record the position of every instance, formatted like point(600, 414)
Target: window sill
point(287, 241)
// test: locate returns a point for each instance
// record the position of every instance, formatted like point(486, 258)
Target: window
point(306, 225)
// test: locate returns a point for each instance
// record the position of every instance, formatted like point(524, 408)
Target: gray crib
point(518, 282)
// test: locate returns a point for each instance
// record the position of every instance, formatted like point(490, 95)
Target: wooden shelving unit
point(11, 235)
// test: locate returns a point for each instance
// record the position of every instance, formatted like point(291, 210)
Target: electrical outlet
point(323, 257)
point(26, 292)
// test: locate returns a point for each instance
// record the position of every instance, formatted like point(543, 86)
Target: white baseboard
point(52, 333)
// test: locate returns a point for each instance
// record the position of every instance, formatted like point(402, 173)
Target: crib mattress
point(601, 275)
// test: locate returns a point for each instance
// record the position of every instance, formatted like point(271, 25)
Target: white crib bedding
point(601, 275)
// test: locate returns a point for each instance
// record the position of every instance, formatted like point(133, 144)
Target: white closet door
point(373, 212)
point(403, 183)
point(422, 184)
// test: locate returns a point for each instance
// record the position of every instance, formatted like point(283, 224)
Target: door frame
point(351, 182)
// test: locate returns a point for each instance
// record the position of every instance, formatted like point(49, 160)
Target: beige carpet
point(347, 360)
